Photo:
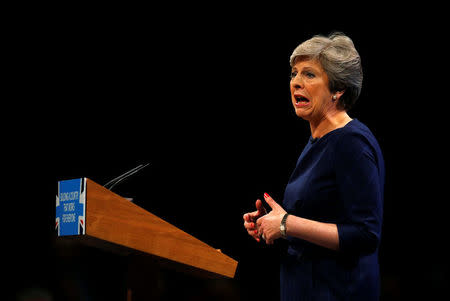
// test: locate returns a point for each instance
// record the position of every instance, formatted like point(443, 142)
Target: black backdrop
point(204, 98)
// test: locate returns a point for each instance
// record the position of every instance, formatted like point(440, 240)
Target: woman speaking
point(331, 214)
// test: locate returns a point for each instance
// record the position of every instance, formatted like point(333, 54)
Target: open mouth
point(299, 99)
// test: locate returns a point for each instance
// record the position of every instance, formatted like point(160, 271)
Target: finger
point(253, 216)
point(259, 222)
point(250, 226)
point(253, 233)
point(268, 240)
point(259, 205)
point(271, 202)
point(249, 217)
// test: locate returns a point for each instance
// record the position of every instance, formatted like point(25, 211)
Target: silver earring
point(334, 97)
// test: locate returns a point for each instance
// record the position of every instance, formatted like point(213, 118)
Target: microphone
point(124, 176)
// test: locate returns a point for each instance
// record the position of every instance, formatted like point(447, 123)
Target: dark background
point(203, 95)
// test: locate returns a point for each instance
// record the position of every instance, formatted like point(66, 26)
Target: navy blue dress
point(338, 179)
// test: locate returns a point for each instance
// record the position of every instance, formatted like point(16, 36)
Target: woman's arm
point(322, 234)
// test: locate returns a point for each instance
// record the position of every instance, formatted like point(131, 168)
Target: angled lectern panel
point(108, 218)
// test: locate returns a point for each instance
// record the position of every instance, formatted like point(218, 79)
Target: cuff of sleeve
point(352, 239)
point(346, 236)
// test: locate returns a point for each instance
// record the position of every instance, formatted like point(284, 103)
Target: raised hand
point(251, 217)
point(269, 225)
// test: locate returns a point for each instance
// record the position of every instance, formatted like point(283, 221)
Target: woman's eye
point(293, 74)
point(310, 75)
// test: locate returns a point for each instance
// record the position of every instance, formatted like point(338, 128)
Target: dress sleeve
point(360, 189)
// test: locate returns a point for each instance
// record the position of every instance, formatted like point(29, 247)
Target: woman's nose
point(297, 86)
point(296, 82)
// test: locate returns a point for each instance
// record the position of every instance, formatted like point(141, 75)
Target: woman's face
point(310, 94)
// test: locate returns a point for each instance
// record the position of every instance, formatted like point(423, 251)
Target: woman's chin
point(302, 114)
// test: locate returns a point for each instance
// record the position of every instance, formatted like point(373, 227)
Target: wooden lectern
point(118, 225)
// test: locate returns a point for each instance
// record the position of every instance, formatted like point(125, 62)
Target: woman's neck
point(328, 123)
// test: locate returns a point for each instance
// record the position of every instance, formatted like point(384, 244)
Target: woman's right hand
point(251, 217)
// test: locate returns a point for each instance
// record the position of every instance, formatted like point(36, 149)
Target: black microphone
point(124, 176)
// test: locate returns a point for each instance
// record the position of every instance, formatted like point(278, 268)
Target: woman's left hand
point(269, 224)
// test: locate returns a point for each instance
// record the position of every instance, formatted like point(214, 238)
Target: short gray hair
point(340, 60)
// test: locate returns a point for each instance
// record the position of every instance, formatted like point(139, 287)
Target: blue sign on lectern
point(71, 207)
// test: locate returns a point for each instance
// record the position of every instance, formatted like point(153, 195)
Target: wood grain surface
point(111, 218)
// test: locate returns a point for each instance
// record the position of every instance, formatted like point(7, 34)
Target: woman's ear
point(337, 95)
